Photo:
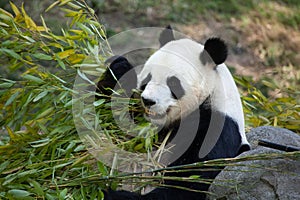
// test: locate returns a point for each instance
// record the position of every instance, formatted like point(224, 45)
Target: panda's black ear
point(166, 36)
point(119, 70)
point(119, 65)
point(215, 52)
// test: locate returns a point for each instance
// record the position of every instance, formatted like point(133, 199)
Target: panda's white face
point(174, 82)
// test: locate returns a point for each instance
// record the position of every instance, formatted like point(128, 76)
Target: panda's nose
point(148, 102)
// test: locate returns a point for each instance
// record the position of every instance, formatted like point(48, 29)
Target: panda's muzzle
point(147, 103)
point(153, 115)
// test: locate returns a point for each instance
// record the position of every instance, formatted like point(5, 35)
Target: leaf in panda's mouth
point(153, 115)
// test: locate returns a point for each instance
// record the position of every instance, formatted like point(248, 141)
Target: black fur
point(175, 87)
point(120, 69)
point(145, 81)
point(215, 51)
point(166, 36)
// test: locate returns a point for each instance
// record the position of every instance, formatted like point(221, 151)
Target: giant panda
point(187, 89)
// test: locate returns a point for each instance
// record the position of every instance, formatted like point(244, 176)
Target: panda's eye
point(175, 87)
point(145, 82)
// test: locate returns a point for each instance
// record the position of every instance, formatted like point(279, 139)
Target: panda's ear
point(118, 65)
point(215, 52)
point(120, 70)
point(166, 36)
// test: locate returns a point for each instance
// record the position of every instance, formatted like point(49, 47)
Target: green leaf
point(52, 6)
point(78, 148)
point(56, 77)
point(11, 99)
point(85, 28)
point(65, 54)
point(29, 39)
point(74, 6)
point(50, 197)
point(194, 177)
point(33, 78)
point(99, 102)
point(18, 193)
point(62, 194)
point(60, 62)
point(39, 96)
point(37, 187)
point(3, 24)
point(45, 113)
point(15, 9)
point(42, 56)
point(6, 85)
point(139, 147)
point(40, 143)
point(11, 53)
point(63, 2)
point(4, 165)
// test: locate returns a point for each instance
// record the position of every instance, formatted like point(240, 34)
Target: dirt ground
point(258, 45)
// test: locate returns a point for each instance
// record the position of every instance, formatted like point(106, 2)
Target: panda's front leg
point(156, 194)
point(121, 195)
point(120, 73)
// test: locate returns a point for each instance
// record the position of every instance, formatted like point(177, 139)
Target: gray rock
point(261, 179)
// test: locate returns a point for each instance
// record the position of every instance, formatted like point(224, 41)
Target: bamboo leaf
point(11, 133)
point(4, 165)
point(11, 53)
point(99, 102)
point(60, 62)
point(11, 98)
point(85, 28)
point(40, 143)
point(72, 5)
point(33, 78)
point(45, 113)
point(52, 6)
point(15, 9)
point(6, 13)
point(59, 79)
point(40, 28)
point(63, 2)
point(42, 56)
point(28, 21)
point(62, 194)
point(66, 53)
point(76, 58)
point(37, 187)
point(44, 24)
point(29, 39)
point(39, 96)
point(3, 24)
point(6, 85)
point(16, 193)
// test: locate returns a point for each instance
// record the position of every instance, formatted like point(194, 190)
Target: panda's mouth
point(154, 115)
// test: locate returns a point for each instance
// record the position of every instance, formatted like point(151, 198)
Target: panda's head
point(179, 77)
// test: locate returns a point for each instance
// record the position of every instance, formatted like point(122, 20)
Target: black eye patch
point(175, 87)
point(145, 82)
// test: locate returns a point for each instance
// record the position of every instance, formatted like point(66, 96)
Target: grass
point(191, 11)
point(41, 153)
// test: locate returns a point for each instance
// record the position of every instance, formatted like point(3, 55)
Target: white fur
point(180, 58)
point(233, 104)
